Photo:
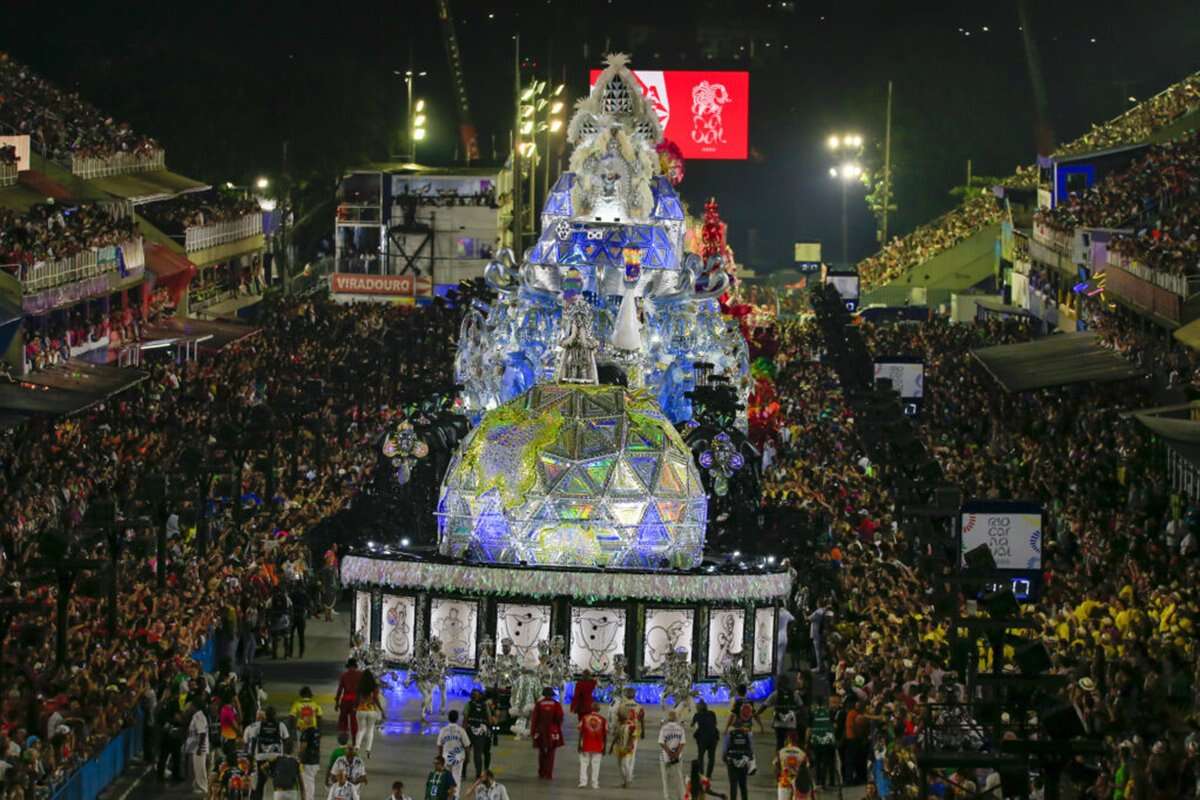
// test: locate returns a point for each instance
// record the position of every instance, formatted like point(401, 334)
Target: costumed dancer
point(525, 694)
point(735, 672)
point(559, 669)
point(508, 670)
point(627, 730)
point(429, 672)
point(678, 682)
point(616, 681)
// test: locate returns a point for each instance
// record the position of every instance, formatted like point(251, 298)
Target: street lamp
point(849, 147)
point(416, 125)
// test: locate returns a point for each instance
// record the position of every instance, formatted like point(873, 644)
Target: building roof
point(1056, 360)
point(67, 389)
point(145, 187)
point(410, 168)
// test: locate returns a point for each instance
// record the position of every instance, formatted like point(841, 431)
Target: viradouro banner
point(705, 112)
point(384, 285)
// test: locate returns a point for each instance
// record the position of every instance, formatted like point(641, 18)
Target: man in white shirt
point(671, 739)
point(351, 764)
point(452, 743)
point(197, 745)
point(341, 789)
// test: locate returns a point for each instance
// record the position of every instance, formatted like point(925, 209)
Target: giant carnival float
point(572, 518)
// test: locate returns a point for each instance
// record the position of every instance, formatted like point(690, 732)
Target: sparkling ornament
point(721, 460)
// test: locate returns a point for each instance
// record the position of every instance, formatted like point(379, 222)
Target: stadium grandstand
point(99, 242)
point(1164, 115)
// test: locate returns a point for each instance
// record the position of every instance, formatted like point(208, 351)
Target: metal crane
point(466, 129)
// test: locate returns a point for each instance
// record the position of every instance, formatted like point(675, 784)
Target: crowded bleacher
point(61, 123)
point(55, 716)
point(1139, 122)
point(1157, 198)
point(1133, 127)
point(1120, 558)
point(199, 209)
point(50, 231)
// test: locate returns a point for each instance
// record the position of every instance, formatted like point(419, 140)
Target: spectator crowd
point(1120, 566)
point(1157, 197)
point(61, 123)
point(50, 231)
point(287, 431)
point(198, 209)
point(1136, 124)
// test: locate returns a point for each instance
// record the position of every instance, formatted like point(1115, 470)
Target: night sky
point(223, 85)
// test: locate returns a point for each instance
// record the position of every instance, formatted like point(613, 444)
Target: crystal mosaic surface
point(578, 475)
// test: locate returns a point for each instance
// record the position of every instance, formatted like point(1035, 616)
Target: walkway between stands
point(408, 755)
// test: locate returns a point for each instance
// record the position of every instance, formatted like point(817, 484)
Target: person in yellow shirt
point(305, 711)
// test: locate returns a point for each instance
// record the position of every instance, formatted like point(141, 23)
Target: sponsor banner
point(907, 376)
point(705, 112)
point(389, 285)
point(1011, 530)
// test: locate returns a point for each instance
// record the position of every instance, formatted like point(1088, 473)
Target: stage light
point(850, 170)
point(555, 124)
point(405, 542)
point(834, 142)
point(419, 121)
point(770, 559)
point(556, 107)
point(420, 106)
point(559, 89)
point(419, 134)
point(262, 183)
point(833, 173)
point(527, 127)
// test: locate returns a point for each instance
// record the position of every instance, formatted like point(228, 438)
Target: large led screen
point(667, 629)
point(597, 634)
point(399, 626)
point(453, 622)
point(525, 625)
point(726, 632)
point(705, 112)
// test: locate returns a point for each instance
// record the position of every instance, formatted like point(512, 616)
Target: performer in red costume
point(545, 726)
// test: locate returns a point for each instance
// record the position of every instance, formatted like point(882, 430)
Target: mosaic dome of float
point(574, 474)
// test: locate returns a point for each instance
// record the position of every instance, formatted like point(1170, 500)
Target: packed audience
point(1136, 124)
point(904, 252)
point(312, 461)
point(199, 209)
point(1120, 565)
point(60, 123)
point(1158, 196)
point(8, 154)
point(50, 231)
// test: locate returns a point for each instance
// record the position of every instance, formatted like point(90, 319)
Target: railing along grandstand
point(88, 167)
point(200, 237)
point(8, 174)
point(1185, 286)
point(81, 266)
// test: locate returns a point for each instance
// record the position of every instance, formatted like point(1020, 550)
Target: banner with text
point(1011, 530)
point(382, 285)
point(705, 112)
